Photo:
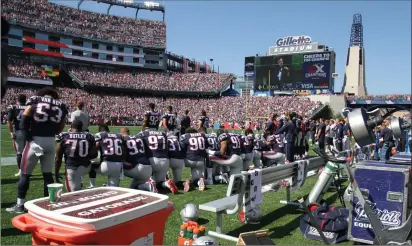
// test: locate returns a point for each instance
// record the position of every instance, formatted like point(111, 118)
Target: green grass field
point(282, 221)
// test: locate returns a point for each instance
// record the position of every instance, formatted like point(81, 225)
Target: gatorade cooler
point(106, 215)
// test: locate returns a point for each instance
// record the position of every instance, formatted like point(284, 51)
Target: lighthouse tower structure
point(354, 81)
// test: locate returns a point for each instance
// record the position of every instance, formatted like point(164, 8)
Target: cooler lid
point(97, 208)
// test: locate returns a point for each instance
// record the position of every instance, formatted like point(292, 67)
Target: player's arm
point(164, 122)
point(283, 128)
point(59, 156)
point(9, 122)
point(98, 140)
point(222, 139)
point(145, 121)
point(92, 148)
point(199, 123)
point(25, 122)
point(63, 119)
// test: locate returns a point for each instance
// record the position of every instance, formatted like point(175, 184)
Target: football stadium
point(109, 138)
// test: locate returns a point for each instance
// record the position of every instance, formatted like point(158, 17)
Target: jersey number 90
point(197, 143)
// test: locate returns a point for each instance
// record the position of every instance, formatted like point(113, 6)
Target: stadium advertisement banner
point(290, 72)
point(381, 102)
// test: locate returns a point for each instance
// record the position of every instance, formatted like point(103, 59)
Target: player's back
point(135, 150)
point(156, 142)
point(14, 114)
point(277, 142)
point(48, 114)
point(175, 149)
point(153, 118)
point(194, 145)
point(170, 121)
point(234, 143)
point(205, 121)
point(76, 146)
point(247, 144)
point(111, 146)
point(212, 142)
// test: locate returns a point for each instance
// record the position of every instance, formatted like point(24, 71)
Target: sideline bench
point(235, 195)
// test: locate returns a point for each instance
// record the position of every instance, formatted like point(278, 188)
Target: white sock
point(20, 201)
point(165, 185)
point(209, 173)
point(218, 178)
point(144, 187)
point(92, 182)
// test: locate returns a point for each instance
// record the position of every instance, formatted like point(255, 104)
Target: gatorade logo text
point(113, 205)
point(83, 199)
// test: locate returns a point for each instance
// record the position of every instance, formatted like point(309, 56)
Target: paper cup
point(55, 192)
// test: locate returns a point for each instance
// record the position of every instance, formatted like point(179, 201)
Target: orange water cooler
point(106, 215)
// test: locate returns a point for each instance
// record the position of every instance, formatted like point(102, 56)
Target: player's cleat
point(90, 187)
point(186, 186)
point(152, 185)
point(225, 178)
point(172, 186)
point(18, 209)
point(201, 184)
point(17, 174)
point(209, 181)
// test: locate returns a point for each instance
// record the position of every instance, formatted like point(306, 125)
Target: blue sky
point(227, 31)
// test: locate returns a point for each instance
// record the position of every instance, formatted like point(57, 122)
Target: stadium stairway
point(70, 79)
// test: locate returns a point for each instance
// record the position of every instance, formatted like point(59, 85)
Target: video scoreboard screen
point(305, 71)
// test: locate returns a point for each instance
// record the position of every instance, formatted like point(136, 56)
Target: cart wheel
point(241, 217)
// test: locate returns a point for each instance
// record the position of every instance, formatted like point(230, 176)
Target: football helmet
point(205, 240)
point(190, 212)
point(254, 216)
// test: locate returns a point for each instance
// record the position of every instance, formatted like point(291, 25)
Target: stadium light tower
point(356, 35)
point(354, 81)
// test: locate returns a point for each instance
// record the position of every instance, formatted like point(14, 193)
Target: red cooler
point(106, 215)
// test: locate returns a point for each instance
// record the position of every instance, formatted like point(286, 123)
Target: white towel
point(255, 187)
point(300, 177)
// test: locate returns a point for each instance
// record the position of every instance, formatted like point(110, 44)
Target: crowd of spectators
point(201, 82)
point(224, 109)
point(51, 17)
point(381, 97)
point(24, 68)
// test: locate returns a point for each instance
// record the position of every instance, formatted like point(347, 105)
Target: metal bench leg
point(218, 232)
point(288, 201)
point(219, 222)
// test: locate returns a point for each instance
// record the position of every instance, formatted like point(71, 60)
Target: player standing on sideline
point(169, 121)
point(112, 155)
point(137, 165)
point(43, 119)
point(14, 114)
point(203, 121)
point(151, 118)
point(194, 144)
point(184, 122)
point(79, 114)
point(158, 153)
point(78, 147)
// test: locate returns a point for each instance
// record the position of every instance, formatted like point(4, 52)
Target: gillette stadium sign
point(293, 44)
